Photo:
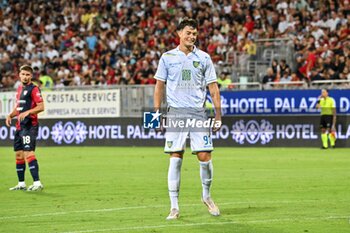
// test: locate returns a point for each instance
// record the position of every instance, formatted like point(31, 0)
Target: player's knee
point(176, 155)
point(30, 156)
point(19, 155)
point(204, 156)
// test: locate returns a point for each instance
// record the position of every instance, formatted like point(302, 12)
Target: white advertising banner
point(81, 104)
point(71, 104)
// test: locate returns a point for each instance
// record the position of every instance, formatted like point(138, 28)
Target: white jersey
point(186, 77)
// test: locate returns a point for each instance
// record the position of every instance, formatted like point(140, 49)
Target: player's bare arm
point(215, 96)
point(158, 94)
point(37, 109)
point(10, 116)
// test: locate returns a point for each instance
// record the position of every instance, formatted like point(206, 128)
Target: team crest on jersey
point(195, 64)
point(169, 143)
point(25, 92)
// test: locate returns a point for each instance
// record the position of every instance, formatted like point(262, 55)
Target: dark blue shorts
point(25, 139)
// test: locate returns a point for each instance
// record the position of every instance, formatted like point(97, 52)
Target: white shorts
point(175, 136)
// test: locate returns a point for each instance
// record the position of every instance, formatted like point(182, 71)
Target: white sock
point(21, 183)
point(206, 173)
point(37, 183)
point(174, 181)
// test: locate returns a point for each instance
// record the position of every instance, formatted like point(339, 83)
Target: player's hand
point(161, 128)
point(23, 115)
point(217, 124)
point(8, 121)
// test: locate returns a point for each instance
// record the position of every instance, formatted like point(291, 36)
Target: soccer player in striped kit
point(29, 103)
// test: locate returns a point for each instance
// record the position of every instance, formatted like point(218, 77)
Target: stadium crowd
point(119, 42)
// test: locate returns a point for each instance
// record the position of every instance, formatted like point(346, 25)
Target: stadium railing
point(255, 66)
point(330, 84)
point(286, 85)
point(242, 86)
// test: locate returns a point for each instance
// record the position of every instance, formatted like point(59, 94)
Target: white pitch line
point(74, 212)
point(213, 223)
point(145, 207)
point(152, 227)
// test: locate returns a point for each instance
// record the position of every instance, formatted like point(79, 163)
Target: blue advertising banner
point(236, 131)
point(280, 102)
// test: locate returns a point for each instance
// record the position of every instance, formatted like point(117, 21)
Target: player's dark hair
point(26, 68)
point(187, 22)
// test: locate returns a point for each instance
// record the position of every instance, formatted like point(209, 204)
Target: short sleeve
point(162, 72)
point(209, 73)
point(36, 95)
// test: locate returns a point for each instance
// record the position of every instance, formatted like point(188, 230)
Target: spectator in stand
point(249, 24)
point(275, 68)
point(286, 76)
point(45, 80)
point(310, 60)
point(316, 75)
point(218, 37)
point(146, 72)
point(224, 81)
point(268, 78)
point(345, 76)
point(250, 48)
point(295, 77)
point(333, 75)
point(283, 67)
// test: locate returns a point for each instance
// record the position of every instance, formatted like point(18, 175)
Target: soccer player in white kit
point(187, 72)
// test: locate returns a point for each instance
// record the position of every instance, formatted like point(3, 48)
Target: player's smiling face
point(25, 77)
point(188, 36)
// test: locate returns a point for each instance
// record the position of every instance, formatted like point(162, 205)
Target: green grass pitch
point(119, 189)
